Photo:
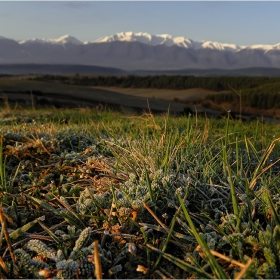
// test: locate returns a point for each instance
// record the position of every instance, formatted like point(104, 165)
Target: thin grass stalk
point(175, 233)
point(7, 237)
point(262, 160)
point(188, 130)
point(238, 224)
point(20, 231)
point(274, 211)
point(51, 234)
point(94, 200)
point(2, 167)
point(147, 249)
point(126, 156)
point(169, 275)
point(227, 131)
point(244, 270)
point(167, 239)
point(142, 229)
point(217, 270)
point(183, 265)
point(253, 148)
point(73, 214)
point(97, 261)
point(161, 274)
point(257, 173)
point(237, 156)
point(38, 236)
point(232, 188)
point(149, 185)
point(155, 217)
point(240, 102)
point(165, 161)
point(217, 227)
point(228, 259)
point(71, 218)
point(4, 266)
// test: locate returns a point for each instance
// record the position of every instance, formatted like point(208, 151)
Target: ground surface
point(149, 189)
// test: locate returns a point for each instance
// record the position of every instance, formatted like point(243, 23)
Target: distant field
point(84, 95)
point(166, 94)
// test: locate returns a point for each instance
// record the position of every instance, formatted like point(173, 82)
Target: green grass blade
point(18, 232)
point(275, 214)
point(166, 241)
point(50, 233)
point(43, 204)
point(183, 265)
point(217, 270)
point(149, 185)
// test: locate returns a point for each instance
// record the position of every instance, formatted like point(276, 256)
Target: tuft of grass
point(190, 196)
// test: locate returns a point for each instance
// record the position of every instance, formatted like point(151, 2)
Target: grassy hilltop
point(163, 196)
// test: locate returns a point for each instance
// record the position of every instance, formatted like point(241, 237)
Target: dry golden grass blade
point(161, 274)
point(97, 262)
point(3, 266)
point(262, 163)
point(41, 237)
point(245, 268)
point(166, 273)
point(75, 218)
point(221, 256)
point(3, 223)
point(156, 218)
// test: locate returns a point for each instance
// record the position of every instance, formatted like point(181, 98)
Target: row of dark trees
point(163, 81)
point(256, 92)
point(262, 97)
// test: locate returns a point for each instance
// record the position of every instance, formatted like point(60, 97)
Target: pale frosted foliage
point(117, 268)
point(67, 269)
point(89, 201)
point(41, 249)
point(269, 256)
point(24, 261)
point(82, 240)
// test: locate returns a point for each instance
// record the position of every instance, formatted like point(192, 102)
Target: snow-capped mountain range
point(131, 51)
point(168, 40)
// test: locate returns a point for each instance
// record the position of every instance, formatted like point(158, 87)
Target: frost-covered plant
point(270, 246)
point(89, 201)
point(28, 266)
point(78, 262)
point(61, 264)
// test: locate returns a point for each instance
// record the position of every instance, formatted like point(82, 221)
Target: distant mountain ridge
point(133, 51)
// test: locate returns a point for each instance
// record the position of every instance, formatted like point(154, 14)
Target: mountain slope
point(134, 51)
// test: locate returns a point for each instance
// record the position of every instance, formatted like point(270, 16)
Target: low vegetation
point(162, 81)
point(91, 194)
point(259, 95)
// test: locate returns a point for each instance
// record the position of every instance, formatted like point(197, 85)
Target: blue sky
point(242, 23)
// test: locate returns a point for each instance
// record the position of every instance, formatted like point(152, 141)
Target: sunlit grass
point(171, 196)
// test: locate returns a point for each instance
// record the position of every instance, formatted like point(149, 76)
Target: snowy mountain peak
point(68, 39)
point(173, 53)
point(219, 46)
point(151, 40)
point(61, 41)
point(165, 39)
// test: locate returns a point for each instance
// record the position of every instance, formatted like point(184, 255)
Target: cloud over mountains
point(133, 51)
